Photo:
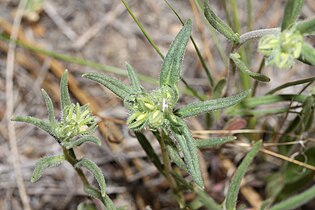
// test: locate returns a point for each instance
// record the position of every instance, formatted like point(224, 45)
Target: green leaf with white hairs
point(44, 163)
point(306, 27)
point(64, 91)
point(50, 108)
point(170, 72)
point(94, 193)
point(206, 200)
point(220, 25)
point(243, 68)
point(80, 141)
point(36, 122)
point(201, 107)
point(175, 157)
point(213, 142)
point(231, 197)
point(190, 151)
point(296, 201)
point(133, 78)
point(95, 170)
point(307, 54)
point(116, 86)
point(292, 11)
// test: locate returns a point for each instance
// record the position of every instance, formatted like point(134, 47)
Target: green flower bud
point(156, 120)
point(268, 44)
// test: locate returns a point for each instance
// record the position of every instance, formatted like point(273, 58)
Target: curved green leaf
point(94, 193)
point(290, 84)
point(36, 122)
point(95, 170)
point(50, 107)
point(206, 200)
point(64, 91)
point(231, 197)
point(44, 163)
point(307, 54)
point(306, 27)
point(270, 99)
point(190, 151)
point(214, 142)
point(133, 78)
point(175, 157)
point(243, 68)
point(292, 11)
point(81, 140)
point(296, 201)
point(116, 86)
point(220, 25)
point(210, 105)
point(170, 72)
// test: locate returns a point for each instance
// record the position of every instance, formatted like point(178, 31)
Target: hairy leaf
point(50, 107)
point(170, 72)
point(44, 163)
point(219, 24)
point(291, 13)
point(214, 142)
point(175, 157)
point(133, 78)
point(36, 122)
point(231, 197)
point(210, 105)
point(206, 200)
point(94, 193)
point(64, 95)
point(306, 27)
point(307, 54)
point(188, 147)
point(96, 171)
point(81, 140)
point(243, 68)
point(116, 86)
point(271, 99)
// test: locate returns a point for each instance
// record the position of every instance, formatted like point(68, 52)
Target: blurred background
point(100, 35)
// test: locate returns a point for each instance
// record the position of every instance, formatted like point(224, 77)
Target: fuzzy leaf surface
point(50, 107)
point(133, 78)
point(307, 54)
point(292, 11)
point(306, 27)
point(36, 122)
point(64, 91)
point(81, 140)
point(214, 142)
point(210, 105)
point(44, 163)
point(170, 72)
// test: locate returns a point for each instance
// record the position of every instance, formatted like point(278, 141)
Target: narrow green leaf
point(296, 201)
point(64, 95)
point(190, 151)
point(218, 88)
point(219, 24)
point(170, 72)
point(175, 157)
point(81, 140)
point(116, 86)
point(94, 193)
point(206, 200)
point(145, 144)
point(96, 171)
point(307, 54)
point(292, 11)
point(36, 122)
point(231, 197)
point(243, 68)
point(50, 107)
point(210, 105)
point(306, 27)
point(214, 142)
point(290, 84)
point(44, 163)
point(257, 112)
point(133, 78)
point(271, 99)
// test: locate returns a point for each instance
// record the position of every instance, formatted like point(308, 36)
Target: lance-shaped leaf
point(231, 197)
point(116, 86)
point(292, 11)
point(243, 68)
point(307, 54)
point(133, 78)
point(306, 27)
point(95, 170)
point(81, 140)
point(64, 91)
point(295, 201)
point(188, 147)
point(44, 163)
point(220, 25)
point(170, 72)
point(214, 142)
point(145, 144)
point(94, 193)
point(210, 105)
point(36, 122)
point(50, 107)
point(206, 200)
point(175, 157)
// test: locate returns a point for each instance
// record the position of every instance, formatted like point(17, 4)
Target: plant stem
point(168, 169)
